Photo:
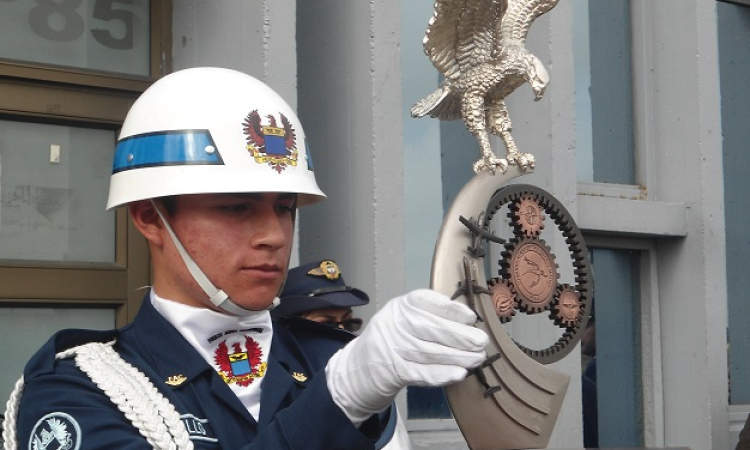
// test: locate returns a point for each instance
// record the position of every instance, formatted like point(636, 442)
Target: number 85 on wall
point(111, 22)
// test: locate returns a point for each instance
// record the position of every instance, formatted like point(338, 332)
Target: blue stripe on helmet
point(169, 148)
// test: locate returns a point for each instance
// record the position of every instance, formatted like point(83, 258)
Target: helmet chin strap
point(218, 297)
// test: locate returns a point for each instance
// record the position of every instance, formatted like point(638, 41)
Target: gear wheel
point(529, 266)
point(569, 304)
point(503, 298)
point(565, 311)
point(526, 216)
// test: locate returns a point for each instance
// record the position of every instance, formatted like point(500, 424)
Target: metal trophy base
point(513, 401)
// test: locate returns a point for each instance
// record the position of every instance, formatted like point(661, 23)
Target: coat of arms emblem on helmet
point(270, 143)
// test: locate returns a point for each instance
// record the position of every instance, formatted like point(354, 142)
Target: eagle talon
point(525, 161)
point(491, 164)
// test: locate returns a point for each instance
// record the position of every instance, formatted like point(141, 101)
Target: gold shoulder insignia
point(176, 380)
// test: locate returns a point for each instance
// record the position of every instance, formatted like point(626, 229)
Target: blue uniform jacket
point(296, 412)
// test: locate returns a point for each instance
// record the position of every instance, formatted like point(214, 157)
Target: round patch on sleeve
point(56, 430)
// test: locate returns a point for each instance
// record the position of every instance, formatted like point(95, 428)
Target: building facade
point(641, 135)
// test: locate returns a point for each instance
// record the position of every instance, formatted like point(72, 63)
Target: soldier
point(316, 291)
point(212, 165)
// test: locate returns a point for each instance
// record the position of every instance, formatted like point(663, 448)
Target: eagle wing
point(221, 358)
point(290, 137)
point(519, 15)
point(462, 34)
point(254, 130)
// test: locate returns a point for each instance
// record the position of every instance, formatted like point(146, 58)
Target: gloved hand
point(420, 339)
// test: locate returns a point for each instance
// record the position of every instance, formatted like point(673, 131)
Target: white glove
point(420, 339)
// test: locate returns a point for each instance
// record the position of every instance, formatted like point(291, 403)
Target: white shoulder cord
point(127, 387)
point(11, 413)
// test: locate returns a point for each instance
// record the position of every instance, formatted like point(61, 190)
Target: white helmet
point(211, 130)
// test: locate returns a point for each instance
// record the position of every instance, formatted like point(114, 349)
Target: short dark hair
point(169, 203)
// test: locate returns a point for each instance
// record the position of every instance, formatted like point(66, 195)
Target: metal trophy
point(512, 400)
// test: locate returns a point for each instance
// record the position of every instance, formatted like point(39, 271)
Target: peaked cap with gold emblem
point(317, 285)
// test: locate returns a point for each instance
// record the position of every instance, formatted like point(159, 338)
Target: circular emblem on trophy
point(567, 306)
point(503, 298)
point(533, 274)
point(527, 216)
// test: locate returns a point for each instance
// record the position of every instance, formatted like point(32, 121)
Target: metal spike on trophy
point(512, 400)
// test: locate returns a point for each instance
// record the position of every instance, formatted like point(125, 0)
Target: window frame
point(83, 96)
point(650, 331)
point(160, 54)
point(77, 97)
point(644, 151)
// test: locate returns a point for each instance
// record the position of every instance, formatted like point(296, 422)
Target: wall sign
point(101, 35)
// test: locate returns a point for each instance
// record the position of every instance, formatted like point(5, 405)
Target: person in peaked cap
point(317, 291)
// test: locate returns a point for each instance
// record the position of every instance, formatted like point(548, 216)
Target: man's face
point(336, 317)
point(242, 243)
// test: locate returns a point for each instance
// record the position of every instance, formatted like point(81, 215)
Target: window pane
point(29, 328)
point(617, 367)
point(53, 191)
point(604, 91)
point(103, 35)
point(734, 64)
point(427, 403)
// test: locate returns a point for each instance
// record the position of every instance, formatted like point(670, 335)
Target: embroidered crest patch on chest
point(56, 431)
point(240, 365)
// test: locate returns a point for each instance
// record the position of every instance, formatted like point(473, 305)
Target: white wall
point(350, 100)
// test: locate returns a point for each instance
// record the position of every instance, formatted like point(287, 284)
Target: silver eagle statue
point(479, 48)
